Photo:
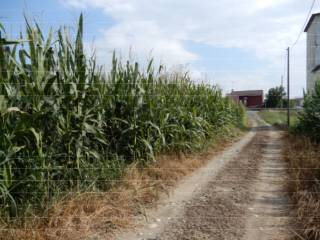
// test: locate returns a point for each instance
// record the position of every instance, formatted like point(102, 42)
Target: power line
point(305, 23)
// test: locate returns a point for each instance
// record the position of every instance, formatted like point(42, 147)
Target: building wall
point(313, 53)
point(252, 101)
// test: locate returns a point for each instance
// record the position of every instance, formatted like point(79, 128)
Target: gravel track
point(238, 195)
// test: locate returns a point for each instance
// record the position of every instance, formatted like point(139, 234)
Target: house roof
point(247, 93)
point(310, 21)
point(316, 69)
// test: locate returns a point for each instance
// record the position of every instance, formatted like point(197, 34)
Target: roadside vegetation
point(68, 127)
point(303, 155)
point(309, 119)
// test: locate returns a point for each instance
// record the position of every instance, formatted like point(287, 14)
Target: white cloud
point(145, 38)
point(263, 4)
point(264, 27)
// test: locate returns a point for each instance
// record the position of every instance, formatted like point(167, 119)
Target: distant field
point(278, 117)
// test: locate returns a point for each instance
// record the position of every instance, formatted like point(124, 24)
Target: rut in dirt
point(246, 199)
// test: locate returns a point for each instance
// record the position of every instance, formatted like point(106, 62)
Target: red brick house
point(250, 98)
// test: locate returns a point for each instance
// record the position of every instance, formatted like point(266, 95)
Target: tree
point(275, 96)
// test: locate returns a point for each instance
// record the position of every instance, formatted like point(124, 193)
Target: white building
point(313, 51)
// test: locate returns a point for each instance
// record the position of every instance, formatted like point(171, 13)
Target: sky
point(236, 44)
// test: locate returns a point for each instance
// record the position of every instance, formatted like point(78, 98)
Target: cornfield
point(67, 126)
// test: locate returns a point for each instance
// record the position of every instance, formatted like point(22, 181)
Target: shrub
point(309, 119)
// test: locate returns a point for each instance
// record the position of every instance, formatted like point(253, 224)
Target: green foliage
point(309, 119)
point(66, 126)
point(275, 96)
point(279, 117)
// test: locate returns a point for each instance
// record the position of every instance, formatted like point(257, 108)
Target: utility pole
point(282, 88)
point(288, 87)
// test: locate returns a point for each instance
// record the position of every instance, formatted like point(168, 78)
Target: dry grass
point(88, 214)
point(304, 168)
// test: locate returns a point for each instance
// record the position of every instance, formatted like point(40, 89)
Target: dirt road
point(240, 194)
